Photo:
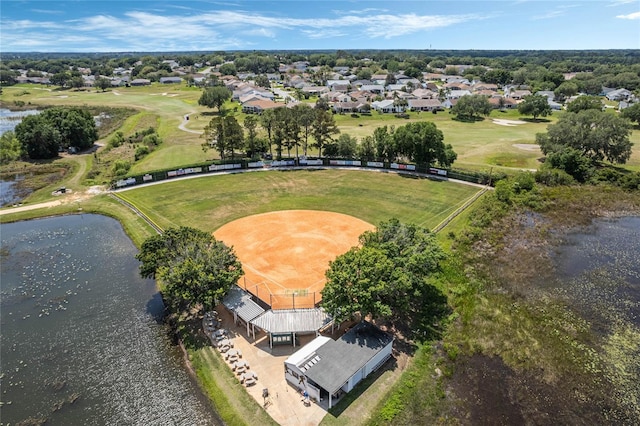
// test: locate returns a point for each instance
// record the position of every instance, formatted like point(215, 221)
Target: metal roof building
point(240, 303)
point(281, 325)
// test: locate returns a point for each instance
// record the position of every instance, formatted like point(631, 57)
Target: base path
point(285, 254)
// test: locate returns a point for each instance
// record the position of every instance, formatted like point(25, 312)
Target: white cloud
point(224, 29)
point(552, 14)
point(614, 3)
point(631, 16)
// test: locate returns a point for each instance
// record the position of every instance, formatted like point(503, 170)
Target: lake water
point(82, 341)
point(599, 272)
point(10, 119)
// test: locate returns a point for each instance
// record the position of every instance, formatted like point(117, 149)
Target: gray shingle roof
point(292, 320)
point(341, 359)
point(239, 301)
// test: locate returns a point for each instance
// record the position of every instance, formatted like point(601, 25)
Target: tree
point(472, 107)
point(103, 83)
point(566, 90)
point(305, 115)
point(287, 131)
point(253, 145)
point(384, 143)
point(60, 79)
point(367, 149)
point(585, 102)
point(344, 147)
point(596, 134)
point(536, 105)
point(268, 122)
point(262, 81)
point(77, 82)
point(388, 276)
point(423, 143)
point(228, 69)
point(632, 112)
point(76, 126)
point(38, 137)
point(497, 76)
point(193, 267)
point(44, 134)
point(323, 129)
point(224, 134)
point(215, 97)
point(10, 148)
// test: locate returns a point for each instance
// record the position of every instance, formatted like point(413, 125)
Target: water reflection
point(81, 338)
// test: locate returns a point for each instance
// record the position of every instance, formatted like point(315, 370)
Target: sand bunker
point(527, 146)
point(508, 123)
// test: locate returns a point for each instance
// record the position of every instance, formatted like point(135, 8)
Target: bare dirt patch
point(285, 254)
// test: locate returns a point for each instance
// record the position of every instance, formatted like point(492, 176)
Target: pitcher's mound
point(285, 254)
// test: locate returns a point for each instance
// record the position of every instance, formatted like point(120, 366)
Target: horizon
point(91, 27)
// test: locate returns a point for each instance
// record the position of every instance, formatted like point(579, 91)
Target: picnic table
point(248, 378)
point(225, 345)
point(233, 353)
point(240, 366)
point(220, 334)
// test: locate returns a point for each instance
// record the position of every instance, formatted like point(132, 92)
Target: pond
point(10, 119)
point(83, 340)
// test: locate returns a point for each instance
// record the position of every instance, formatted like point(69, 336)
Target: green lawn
point(209, 202)
point(479, 145)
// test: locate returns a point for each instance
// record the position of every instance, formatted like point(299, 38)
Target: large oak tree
point(389, 276)
point(598, 135)
point(193, 267)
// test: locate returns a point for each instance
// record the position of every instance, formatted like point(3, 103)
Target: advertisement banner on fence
point(218, 167)
point(147, 178)
point(402, 166)
point(283, 163)
point(378, 164)
point(315, 162)
point(255, 164)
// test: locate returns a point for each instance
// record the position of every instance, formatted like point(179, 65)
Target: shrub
point(116, 140)
point(151, 140)
point(554, 177)
point(141, 151)
point(121, 167)
point(354, 115)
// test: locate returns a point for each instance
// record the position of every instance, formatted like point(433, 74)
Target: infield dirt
point(285, 254)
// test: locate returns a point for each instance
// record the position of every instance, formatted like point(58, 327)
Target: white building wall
point(373, 362)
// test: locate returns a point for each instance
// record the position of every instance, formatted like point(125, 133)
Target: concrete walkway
point(285, 404)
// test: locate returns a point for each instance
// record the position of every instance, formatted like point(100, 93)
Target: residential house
point(500, 102)
point(140, 82)
point(619, 95)
point(485, 86)
point(424, 94)
point(387, 106)
point(450, 103)
point(457, 94)
point(258, 106)
point(373, 88)
point(345, 107)
point(315, 90)
point(170, 80)
point(518, 94)
point(425, 105)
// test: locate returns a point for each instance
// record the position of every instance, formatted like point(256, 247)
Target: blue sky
point(150, 26)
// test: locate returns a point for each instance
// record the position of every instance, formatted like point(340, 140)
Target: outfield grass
point(209, 202)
